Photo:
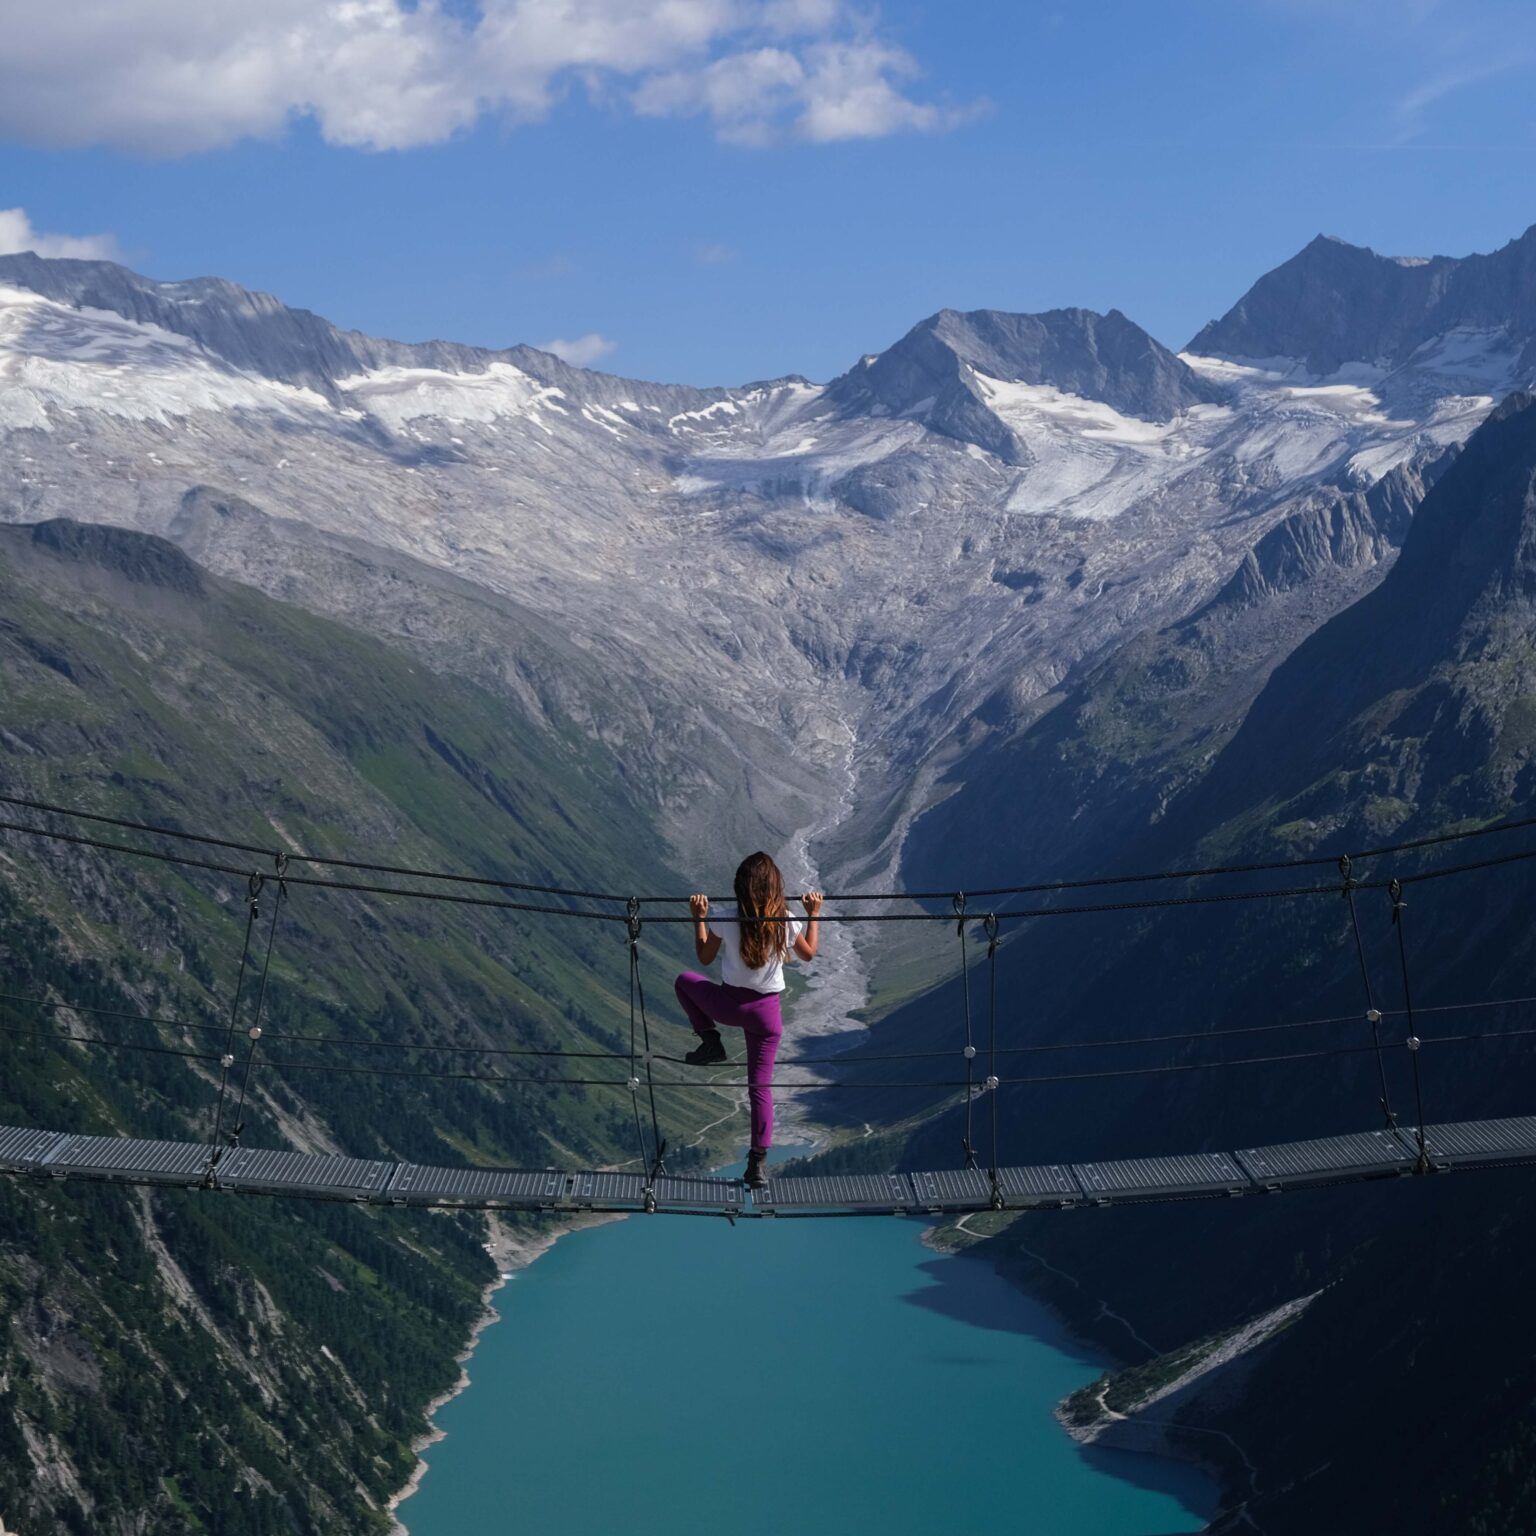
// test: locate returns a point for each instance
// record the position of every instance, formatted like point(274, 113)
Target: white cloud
point(581, 352)
point(17, 234)
point(176, 76)
point(1411, 108)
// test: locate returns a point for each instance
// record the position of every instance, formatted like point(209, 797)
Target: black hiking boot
point(708, 1051)
point(755, 1177)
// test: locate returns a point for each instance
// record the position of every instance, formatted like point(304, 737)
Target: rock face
point(931, 374)
point(1405, 714)
point(1031, 567)
point(1420, 693)
point(1334, 304)
point(848, 587)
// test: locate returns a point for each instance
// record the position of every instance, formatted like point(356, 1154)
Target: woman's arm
point(805, 942)
point(706, 945)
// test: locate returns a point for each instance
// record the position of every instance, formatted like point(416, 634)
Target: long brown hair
point(759, 894)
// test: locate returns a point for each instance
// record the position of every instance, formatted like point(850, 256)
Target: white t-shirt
point(766, 978)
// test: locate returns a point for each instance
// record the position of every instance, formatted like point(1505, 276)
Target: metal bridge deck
point(62, 1155)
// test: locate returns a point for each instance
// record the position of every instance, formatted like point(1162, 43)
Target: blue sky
point(725, 190)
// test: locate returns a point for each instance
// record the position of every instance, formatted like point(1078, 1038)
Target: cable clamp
point(634, 1085)
point(226, 1061)
point(254, 1031)
point(1373, 1015)
point(632, 920)
point(1413, 1042)
point(991, 1082)
point(1349, 880)
point(969, 1052)
point(1395, 891)
point(957, 901)
point(989, 927)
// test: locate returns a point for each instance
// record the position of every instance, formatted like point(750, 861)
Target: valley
point(1020, 596)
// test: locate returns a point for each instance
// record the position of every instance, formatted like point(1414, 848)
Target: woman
point(753, 947)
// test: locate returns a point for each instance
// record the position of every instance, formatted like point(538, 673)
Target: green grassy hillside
point(244, 1366)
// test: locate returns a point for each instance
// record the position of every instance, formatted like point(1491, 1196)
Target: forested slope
point(196, 1362)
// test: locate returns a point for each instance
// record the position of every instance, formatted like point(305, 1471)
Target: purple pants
point(756, 1014)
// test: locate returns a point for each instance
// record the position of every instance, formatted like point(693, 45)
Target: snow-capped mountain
point(1334, 305)
point(833, 578)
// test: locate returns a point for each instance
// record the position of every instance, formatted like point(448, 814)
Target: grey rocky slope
point(1334, 304)
point(838, 585)
point(819, 607)
point(1405, 715)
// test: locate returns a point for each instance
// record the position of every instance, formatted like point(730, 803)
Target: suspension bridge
point(222, 1163)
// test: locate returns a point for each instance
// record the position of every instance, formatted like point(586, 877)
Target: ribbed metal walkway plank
point(964, 1189)
point(1481, 1141)
point(605, 1191)
point(1287, 1165)
point(845, 1191)
point(309, 1173)
point(117, 1157)
point(1051, 1184)
point(1328, 1160)
point(21, 1147)
point(1152, 1178)
point(676, 1192)
point(417, 1184)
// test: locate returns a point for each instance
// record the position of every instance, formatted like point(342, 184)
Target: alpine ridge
point(923, 555)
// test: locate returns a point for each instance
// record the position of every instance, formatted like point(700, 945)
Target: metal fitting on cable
point(957, 901)
point(1373, 1015)
point(632, 920)
point(634, 1085)
point(254, 1031)
point(1349, 881)
point(989, 927)
point(1414, 1042)
point(226, 1061)
point(991, 1082)
point(969, 1052)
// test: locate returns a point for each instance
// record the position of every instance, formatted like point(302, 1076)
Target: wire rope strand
point(1413, 1043)
point(492, 882)
point(990, 927)
point(209, 841)
point(658, 1166)
point(226, 1060)
point(1372, 1012)
point(632, 932)
point(725, 1085)
point(957, 900)
point(261, 1000)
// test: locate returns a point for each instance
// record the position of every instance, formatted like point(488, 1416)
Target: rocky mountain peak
point(1334, 304)
point(258, 333)
point(931, 373)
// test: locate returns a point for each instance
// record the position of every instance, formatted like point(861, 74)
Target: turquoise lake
point(665, 1376)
